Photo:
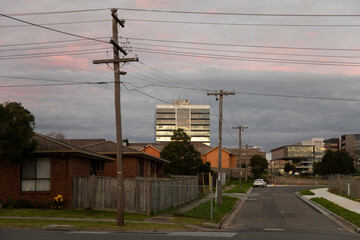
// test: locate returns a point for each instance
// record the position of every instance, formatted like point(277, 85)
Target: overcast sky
point(269, 52)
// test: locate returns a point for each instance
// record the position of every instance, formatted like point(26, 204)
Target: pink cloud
point(311, 34)
point(64, 62)
point(147, 3)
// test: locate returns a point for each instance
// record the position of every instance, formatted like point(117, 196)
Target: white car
point(259, 183)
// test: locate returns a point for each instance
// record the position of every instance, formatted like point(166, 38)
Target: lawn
point(86, 225)
point(245, 185)
point(340, 211)
point(203, 210)
point(307, 192)
point(69, 213)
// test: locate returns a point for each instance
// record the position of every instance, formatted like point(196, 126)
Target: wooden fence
point(141, 195)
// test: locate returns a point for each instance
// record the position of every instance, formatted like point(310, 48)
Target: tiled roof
point(83, 142)
point(107, 147)
point(48, 145)
point(140, 146)
point(201, 147)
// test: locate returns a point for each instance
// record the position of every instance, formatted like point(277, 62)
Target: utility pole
point(239, 152)
point(116, 63)
point(246, 163)
point(221, 93)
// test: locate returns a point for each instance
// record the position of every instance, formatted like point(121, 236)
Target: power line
point(250, 59)
point(58, 12)
point(52, 55)
point(48, 42)
point(269, 94)
point(187, 12)
point(51, 29)
point(54, 24)
point(239, 14)
point(241, 24)
point(248, 52)
point(54, 84)
point(189, 23)
point(244, 45)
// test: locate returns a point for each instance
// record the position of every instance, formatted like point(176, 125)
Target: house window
point(141, 167)
point(35, 175)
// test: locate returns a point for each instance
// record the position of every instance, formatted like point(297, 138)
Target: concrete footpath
point(341, 201)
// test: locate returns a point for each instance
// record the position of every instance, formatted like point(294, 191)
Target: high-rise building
point(194, 119)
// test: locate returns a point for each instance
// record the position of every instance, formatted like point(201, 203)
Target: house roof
point(48, 145)
point(140, 146)
point(201, 147)
point(83, 142)
point(109, 148)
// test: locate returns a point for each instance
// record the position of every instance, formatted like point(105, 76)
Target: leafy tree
point(339, 162)
point(184, 159)
point(16, 131)
point(289, 167)
point(258, 165)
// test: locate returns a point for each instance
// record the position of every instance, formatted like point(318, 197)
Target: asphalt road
point(276, 213)
point(272, 213)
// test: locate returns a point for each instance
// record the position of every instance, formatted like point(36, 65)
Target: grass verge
point(340, 211)
point(245, 185)
point(69, 213)
point(203, 211)
point(85, 225)
point(307, 192)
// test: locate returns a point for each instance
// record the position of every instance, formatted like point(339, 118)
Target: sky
point(293, 64)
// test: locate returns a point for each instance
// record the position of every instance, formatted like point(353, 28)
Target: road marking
point(204, 234)
point(89, 232)
point(274, 229)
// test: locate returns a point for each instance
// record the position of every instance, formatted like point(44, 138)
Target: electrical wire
point(189, 23)
point(250, 59)
point(58, 12)
point(239, 14)
point(241, 24)
point(247, 52)
point(243, 45)
point(52, 29)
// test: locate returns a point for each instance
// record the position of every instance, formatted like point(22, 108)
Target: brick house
point(135, 163)
point(48, 171)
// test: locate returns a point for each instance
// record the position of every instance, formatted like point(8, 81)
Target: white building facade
point(194, 119)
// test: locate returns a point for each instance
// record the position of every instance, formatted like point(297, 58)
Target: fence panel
point(343, 184)
point(140, 195)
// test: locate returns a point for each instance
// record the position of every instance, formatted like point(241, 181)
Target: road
point(276, 211)
point(272, 213)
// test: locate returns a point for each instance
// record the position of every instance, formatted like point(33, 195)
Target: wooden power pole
point(239, 153)
point(116, 63)
point(221, 93)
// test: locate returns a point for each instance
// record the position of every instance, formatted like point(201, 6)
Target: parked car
point(259, 183)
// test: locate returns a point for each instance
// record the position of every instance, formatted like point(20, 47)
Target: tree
point(57, 135)
point(258, 165)
point(289, 167)
point(339, 162)
point(16, 131)
point(184, 159)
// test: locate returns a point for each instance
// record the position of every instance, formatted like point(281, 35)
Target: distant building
point(194, 119)
point(302, 154)
point(348, 144)
point(332, 144)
